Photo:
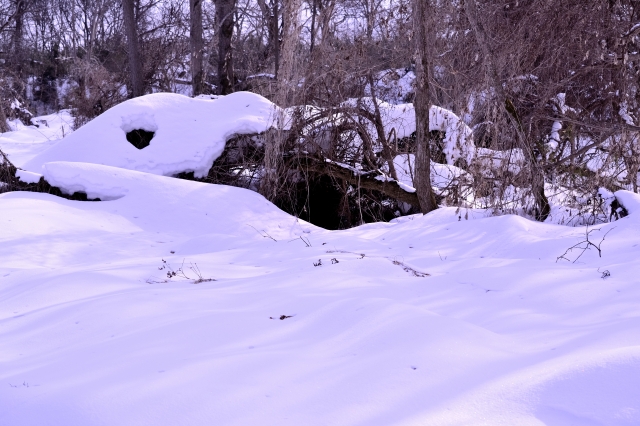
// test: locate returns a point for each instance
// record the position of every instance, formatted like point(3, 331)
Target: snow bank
point(442, 175)
point(629, 200)
point(174, 203)
point(394, 85)
point(89, 179)
point(189, 134)
point(458, 139)
point(28, 177)
point(26, 141)
point(401, 118)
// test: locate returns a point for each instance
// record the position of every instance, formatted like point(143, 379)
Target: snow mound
point(24, 142)
point(458, 137)
point(28, 177)
point(442, 175)
point(629, 200)
point(173, 202)
point(163, 133)
point(395, 86)
point(84, 177)
point(401, 118)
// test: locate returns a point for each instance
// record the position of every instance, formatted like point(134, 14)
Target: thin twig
point(264, 234)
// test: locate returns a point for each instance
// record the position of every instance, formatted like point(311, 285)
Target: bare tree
point(133, 50)
point(530, 149)
point(285, 87)
point(225, 23)
point(4, 127)
point(270, 21)
point(197, 46)
point(423, 23)
point(18, 34)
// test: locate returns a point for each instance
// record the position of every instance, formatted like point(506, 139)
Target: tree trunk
point(19, 28)
point(314, 13)
point(275, 23)
point(135, 63)
point(16, 57)
point(322, 34)
point(197, 46)
point(270, 21)
point(4, 126)
point(225, 20)
point(376, 119)
point(285, 87)
point(423, 24)
point(287, 58)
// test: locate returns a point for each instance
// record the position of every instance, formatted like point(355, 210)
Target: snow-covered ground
point(452, 318)
point(25, 142)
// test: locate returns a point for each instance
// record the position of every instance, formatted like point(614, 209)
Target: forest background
point(520, 106)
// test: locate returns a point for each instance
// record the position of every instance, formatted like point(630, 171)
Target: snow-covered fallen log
point(163, 133)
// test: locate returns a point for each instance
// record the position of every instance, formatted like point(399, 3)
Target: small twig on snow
point(306, 241)
point(585, 245)
point(264, 234)
point(409, 269)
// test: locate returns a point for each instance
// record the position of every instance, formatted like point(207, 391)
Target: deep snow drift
point(452, 318)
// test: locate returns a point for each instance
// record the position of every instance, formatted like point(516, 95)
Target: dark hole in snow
point(140, 138)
